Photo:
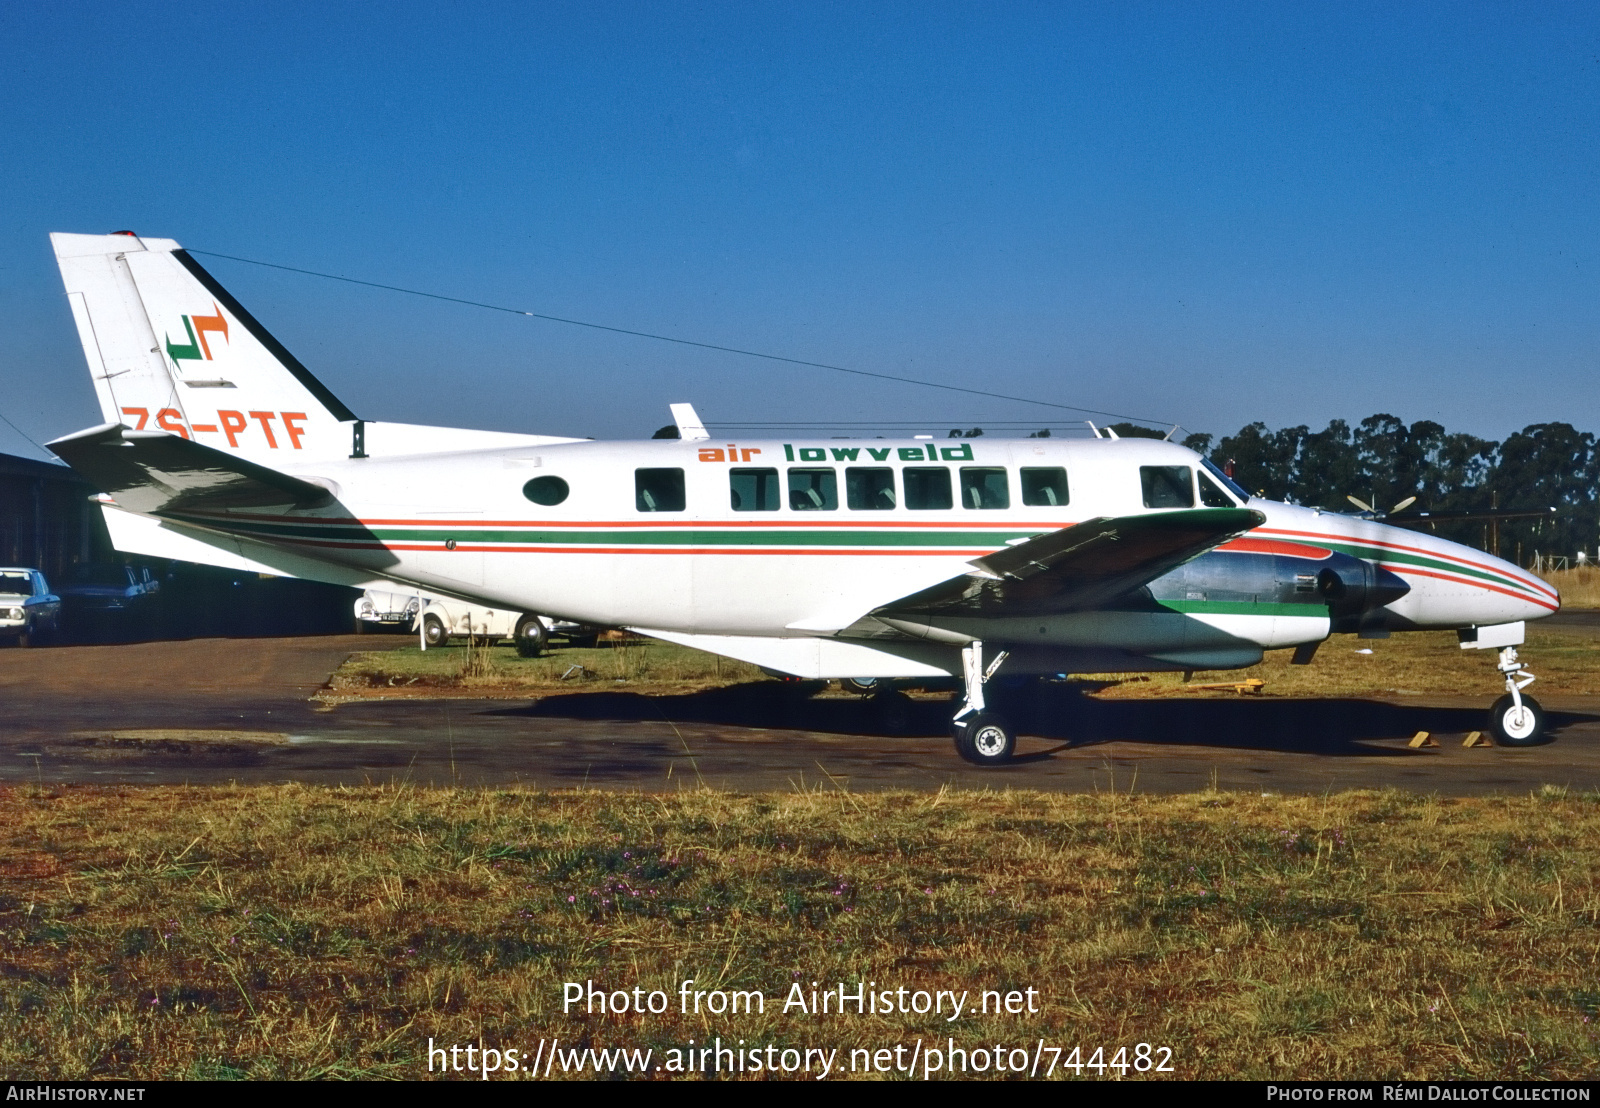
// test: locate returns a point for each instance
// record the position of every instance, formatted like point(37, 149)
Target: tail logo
point(197, 326)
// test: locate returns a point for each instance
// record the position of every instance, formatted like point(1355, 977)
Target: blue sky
point(1199, 213)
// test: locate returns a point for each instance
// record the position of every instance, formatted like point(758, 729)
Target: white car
point(29, 611)
point(441, 618)
point(388, 609)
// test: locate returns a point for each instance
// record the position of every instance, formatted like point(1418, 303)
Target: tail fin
point(170, 350)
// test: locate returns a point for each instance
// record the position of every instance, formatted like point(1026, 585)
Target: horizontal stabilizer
point(1081, 567)
point(154, 472)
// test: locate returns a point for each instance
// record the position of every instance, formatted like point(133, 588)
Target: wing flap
point(1083, 566)
point(153, 472)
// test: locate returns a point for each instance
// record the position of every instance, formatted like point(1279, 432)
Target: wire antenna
point(680, 342)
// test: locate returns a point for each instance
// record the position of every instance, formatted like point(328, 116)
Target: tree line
point(1383, 461)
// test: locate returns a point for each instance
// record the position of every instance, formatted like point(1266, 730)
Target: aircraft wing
point(1080, 567)
point(151, 472)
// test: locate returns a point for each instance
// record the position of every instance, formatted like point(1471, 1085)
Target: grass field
point(1428, 662)
point(1579, 586)
point(295, 932)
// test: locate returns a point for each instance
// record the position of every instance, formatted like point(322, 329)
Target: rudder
point(171, 350)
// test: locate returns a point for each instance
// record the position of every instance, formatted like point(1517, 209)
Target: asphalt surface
point(221, 710)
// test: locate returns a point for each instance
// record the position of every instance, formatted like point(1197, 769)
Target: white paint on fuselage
point(689, 585)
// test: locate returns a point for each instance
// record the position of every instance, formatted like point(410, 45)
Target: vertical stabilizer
point(170, 350)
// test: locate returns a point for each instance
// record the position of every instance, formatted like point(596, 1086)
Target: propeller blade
point(1403, 505)
point(1362, 504)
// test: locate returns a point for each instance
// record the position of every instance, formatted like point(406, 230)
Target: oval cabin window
point(545, 490)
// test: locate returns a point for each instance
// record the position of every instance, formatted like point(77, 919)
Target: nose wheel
point(1515, 719)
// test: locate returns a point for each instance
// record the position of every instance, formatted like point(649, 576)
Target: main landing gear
point(1516, 720)
point(982, 737)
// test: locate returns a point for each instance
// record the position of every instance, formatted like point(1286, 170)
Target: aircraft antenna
point(678, 341)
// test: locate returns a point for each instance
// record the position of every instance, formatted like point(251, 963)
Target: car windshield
point(104, 576)
point(14, 583)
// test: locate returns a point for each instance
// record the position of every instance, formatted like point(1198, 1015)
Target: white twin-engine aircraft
point(872, 558)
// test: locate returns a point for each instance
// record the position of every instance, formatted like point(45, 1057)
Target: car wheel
point(531, 635)
point(891, 708)
point(1513, 726)
point(433, 632)
point(985, 739)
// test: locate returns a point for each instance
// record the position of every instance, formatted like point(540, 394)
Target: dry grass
point(642, 665)
point(1567, 662)
point(1579, 586)
point(1432, 663)
point(294, 932)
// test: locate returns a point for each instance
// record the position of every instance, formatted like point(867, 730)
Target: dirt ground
point(216, 710)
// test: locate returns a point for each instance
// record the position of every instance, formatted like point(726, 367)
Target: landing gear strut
point(982, 737)
point(1516, 720)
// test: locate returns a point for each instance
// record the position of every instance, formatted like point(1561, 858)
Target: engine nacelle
point(1355, 589)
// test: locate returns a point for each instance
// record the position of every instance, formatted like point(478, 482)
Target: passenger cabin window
point(1044, 486)
point(813, 490)
point(927, 488)
point(984, 488)
point(548, 491)
point(869, 490)
point(1213, 497)
point(753, 490)
point(1167, 486)
point(658, 490)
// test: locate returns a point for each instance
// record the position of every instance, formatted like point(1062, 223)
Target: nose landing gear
point(982, 737)
point(1516, 720)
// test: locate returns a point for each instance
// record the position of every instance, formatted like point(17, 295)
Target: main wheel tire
point(433, 631)
point(985, 739)
point(531, 635)
point(891, 708)
point(866, 686)
point(1512, 727)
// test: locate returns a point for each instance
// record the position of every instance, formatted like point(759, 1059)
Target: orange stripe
point(1539, 587)
point(1268, 546)
point(782, 524)
point(1474, 582)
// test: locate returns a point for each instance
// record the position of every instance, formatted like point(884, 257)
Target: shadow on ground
point(1332, 727)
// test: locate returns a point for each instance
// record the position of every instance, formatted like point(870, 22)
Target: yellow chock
point(1422, 738)
point(1476, 738)
point(1251, 686)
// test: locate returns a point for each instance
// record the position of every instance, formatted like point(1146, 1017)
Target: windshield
point(115, 577)
point(13, 583)
point(1227, 482)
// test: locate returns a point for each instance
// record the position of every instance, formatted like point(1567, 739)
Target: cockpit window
point(1212, 496)
point(1167, 486)
point(1227, 482)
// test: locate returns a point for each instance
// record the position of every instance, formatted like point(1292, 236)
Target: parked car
point(376, 610)
point(29, 612)
point(90, 589)
point(441, 618)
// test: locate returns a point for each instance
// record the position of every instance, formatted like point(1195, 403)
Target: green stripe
point(1373, 554)
point(586, 537)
